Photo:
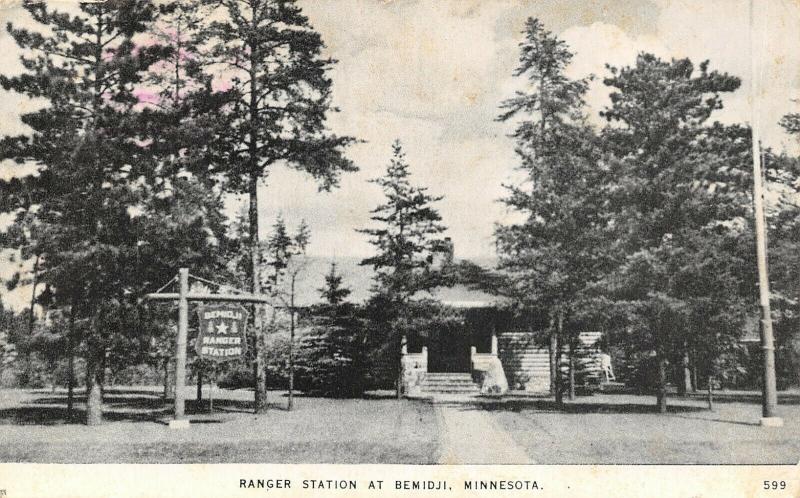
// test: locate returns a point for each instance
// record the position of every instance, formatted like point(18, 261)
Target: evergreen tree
point(182, 115)
point(332, 355)
point(783, 172)
point(89, 163)
point(407, 238)
point(12, 333)
point(280, 249)
point(180, 123)
point(275, 60)
point(556, 254)
point(411, 260)
point(333, 292)
point(680, 205)
point(122, 199)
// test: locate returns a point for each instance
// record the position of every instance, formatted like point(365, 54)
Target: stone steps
point(449, 383)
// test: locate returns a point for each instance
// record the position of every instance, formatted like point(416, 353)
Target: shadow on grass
point(371, 395)
point(128, 402)
point(544, 405)
point(379, 395)
point(124, 405)
point(720, 420)
point(231, 406)
point(49, 415)
point(755, 398)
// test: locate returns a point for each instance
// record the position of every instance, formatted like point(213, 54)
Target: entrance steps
point(460, 384)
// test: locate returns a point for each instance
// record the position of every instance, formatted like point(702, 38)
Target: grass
point(34, 428)
point(625, 429)
point(600, 429)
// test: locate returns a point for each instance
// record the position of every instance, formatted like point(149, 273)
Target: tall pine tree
point(90, 166)
point(679, 205)
point(274, 59)
point(556, 254)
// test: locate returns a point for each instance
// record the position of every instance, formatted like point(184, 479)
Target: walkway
point(472, 437)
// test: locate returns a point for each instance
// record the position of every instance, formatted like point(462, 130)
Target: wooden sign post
point(180, 346)
point(183, 296)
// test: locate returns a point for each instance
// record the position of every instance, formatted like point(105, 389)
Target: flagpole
point(769, 401)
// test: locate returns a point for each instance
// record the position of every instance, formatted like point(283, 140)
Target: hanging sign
point(222, 332)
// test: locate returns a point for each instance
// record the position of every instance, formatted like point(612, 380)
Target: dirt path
point(472, 437)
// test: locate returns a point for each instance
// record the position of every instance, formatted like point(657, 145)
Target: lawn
point(599, 429)
point(34, 428)
point(624, 429)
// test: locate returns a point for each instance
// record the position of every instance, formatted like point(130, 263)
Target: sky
point(432, 73)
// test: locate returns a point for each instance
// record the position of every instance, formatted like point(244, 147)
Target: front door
point(449, 353)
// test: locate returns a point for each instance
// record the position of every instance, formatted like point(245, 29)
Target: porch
point(461, 361)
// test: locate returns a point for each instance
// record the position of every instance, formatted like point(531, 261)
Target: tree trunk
point(199, 387)
point(260, 380)
point(399, 384)
point(694, 374)
point(71, 361)
point(685, 376)
point(290, 403)
point(553, 355)
point(101, 374)
point(71, 382)
point(399, 377)
point(571, 372)
point(559, 330)
point(710, 392)
point(94, 395)
point(662, 384)
point(31, 323)
point(71, 367)
point(166, 379)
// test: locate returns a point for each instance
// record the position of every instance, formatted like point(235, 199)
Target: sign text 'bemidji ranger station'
point(222, 332)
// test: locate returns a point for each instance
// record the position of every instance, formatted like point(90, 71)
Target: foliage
point(552, 259)
point(411, 258)
point(680, 206)
point(100, 215)
point(333, 356)
point(563, 194)
point(407, 236)
point(333, 292)
point(783, 172)
point(279, 76)
point(90, 166)
point(13, 330)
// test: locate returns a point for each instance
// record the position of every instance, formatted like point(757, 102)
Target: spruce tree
point(407, 237)
point(409, 262)
point(332, 355)
point(333, 292)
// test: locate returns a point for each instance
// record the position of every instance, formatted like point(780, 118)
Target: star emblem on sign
point(222, 328)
